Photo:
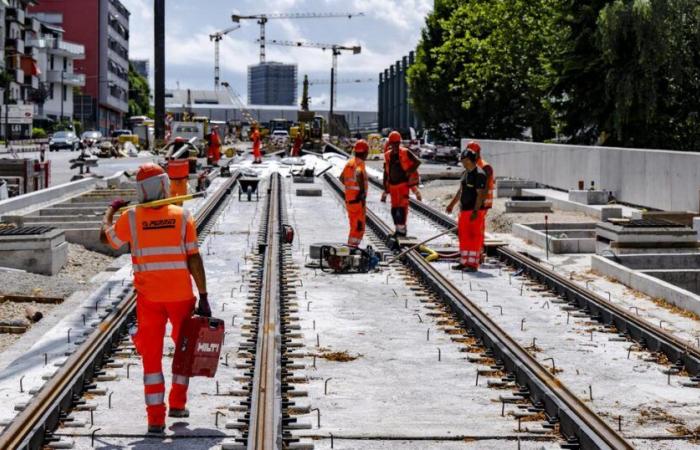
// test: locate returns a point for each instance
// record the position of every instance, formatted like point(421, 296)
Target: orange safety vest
point(349, 177)
point(490, 182)
point(161, 240)
point(407, 164)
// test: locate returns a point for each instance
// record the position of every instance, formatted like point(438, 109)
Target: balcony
point(59, 47)
point(16, 15)
point(16, 44)
point(70, 79)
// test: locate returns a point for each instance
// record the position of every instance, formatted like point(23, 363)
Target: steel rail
point(30, 427)
point(577, 423)
point(265, 423)
point(681, 353)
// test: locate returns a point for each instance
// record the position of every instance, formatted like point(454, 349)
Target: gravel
point(81, 266)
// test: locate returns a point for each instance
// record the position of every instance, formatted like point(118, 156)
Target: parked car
point(438, 148)
point(117, 133)
point(279, 138)
point(90, 138)
point(64, 139)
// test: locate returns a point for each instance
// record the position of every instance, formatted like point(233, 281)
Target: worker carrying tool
point(354, 178)
point(471, 196)
point(164, 256)
point(400, 177)
point(490, 185)
point(214, 151)
point(255, 137)
point(179, 168)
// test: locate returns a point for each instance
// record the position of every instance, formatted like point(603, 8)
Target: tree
point(483, 68)
point(139, 95)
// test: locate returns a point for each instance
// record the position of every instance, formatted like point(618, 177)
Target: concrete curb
point(46, 196)
point(647, 284)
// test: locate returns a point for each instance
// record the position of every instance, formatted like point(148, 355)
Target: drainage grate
point(24, 231)
point(651, 223)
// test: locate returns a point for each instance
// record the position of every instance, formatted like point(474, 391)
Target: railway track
point(33, 427)
point(578, 424)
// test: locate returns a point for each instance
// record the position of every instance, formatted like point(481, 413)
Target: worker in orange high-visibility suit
point(354, 178)
point(178, 168)
point(490, 184)
point(214, 151)
point(400, 177)
point(298, 142)
point(255, 137)
point(471, 196)
point(165, 258)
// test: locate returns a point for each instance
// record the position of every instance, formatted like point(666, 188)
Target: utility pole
point(159, 68)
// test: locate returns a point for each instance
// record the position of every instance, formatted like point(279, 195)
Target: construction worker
point(471, 196)
point(178, 167)
point(298, 142)
point(490, 184)
point(164, 256)
point(214, 152)
point(255, 137)
point(354, 178)
point(400, 177)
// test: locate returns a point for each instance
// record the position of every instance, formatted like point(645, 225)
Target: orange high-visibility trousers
point(399, 206)
point(148, 340)
point(178, 188)
point(471, 238)
point(257, 154)
point(357, 216)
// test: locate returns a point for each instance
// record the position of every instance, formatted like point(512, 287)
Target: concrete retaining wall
point(650, 285)
point(657, 179)
point(46, 196)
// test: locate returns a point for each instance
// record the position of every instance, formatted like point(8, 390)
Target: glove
point(203, 308)
point(419, 196)
point(474, 215)
point(118, 204)
point(383, 199)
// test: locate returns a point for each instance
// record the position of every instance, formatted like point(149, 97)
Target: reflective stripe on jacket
point(408, 164)
point(350, 180)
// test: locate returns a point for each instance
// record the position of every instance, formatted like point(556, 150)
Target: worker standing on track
point(490, 186)
point(471, 195)
point(298, 142)
point(178, 169)
point(214, 153)
point(354, 178)
point(400, 177)
point(164, 255)
point(255, 137)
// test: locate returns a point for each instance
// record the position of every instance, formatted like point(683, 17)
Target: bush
point(38, 133)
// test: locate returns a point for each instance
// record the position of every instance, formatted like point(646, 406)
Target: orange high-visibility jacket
point(490, 182)
point(160, 239)
point(409, 163)
point(352, 170)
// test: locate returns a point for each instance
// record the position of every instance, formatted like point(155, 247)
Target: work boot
point(156, 429)
point(464, 268)
point(179, 412)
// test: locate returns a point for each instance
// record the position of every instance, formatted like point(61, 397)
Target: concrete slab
point(563, 237)
point(560, 200)
point(589, 197)
point(44, 253)
point(529, 206)
point(510, 187)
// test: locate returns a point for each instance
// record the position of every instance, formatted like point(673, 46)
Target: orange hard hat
point(394, 136)
point(148, 170)
point(180, 140)
point(361, 146)
point(474, 146)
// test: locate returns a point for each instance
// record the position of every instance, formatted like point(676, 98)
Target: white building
point(58, 80)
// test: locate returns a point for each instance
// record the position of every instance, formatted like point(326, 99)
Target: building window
point(65, 93)
point(51, 62)
point(65, 64)
point(51, 91)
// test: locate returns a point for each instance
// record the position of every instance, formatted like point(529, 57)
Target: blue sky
point(389, 30)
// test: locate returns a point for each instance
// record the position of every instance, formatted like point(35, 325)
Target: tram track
point(33, 427)
point(577, 423)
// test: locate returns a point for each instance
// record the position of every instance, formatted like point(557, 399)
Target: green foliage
point(618, 72)
point(38, 133)
point(139, 95)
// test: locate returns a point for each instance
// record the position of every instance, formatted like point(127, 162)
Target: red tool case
point(199, 347)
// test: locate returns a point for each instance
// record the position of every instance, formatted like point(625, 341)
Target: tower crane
point(238, 101)
point(262, 20)
point(336, 50)
point(216, 38)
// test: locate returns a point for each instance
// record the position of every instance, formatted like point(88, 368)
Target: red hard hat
point(394, 136)
point(361, 146)
point(149, 170)
point(474, 146)
point(180, 140)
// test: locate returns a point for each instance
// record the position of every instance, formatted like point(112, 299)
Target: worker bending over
point(490, 186)
point(214, 151)
point(354, 178)
point(255, 137)
point(400, 177)
point(471, 196)
point(164, 256)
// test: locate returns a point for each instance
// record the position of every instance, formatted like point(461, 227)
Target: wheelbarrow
point(249, 186)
